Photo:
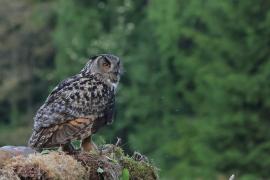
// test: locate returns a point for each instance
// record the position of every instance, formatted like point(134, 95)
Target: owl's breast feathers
point(77, 107)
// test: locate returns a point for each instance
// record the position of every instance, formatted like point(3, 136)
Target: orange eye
point(105, 64)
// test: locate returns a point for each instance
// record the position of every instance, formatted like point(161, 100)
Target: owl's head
point(107, 66)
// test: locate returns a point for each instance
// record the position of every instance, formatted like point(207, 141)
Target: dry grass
point(8, 174)
point(54, 165)
point(4, 156)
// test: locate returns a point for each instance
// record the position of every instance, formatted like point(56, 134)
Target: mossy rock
point(99, 166)
point(59, 165)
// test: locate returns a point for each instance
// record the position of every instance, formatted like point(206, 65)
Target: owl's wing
point(65, 102)
point(65, 83)
point(69, 111)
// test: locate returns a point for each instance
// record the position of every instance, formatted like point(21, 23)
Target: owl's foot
point(88, 145)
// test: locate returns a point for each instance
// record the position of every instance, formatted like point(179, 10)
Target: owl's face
point(106, 65)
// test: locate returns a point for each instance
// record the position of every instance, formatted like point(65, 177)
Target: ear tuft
point(94, 57)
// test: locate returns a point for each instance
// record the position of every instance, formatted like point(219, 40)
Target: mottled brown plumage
point(79, 105)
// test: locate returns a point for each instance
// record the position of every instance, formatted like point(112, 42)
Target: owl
point(79, 106)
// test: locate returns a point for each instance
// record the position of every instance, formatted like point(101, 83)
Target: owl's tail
point(39, 138)
point(33, 141)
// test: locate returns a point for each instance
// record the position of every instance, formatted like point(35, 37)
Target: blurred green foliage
point(195, 93)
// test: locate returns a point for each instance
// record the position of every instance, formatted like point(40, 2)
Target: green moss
point(118, 153)
point(139, 170)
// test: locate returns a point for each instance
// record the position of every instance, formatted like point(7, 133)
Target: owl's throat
point(112, 84)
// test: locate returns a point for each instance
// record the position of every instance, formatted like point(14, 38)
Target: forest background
point(195, 95)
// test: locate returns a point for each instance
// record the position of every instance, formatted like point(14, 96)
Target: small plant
point(125, 174)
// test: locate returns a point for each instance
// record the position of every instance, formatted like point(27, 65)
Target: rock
point(7, 152)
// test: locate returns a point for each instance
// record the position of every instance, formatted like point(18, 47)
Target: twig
point(118, 142)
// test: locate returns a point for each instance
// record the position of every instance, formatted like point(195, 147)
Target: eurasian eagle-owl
point(79, 105)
